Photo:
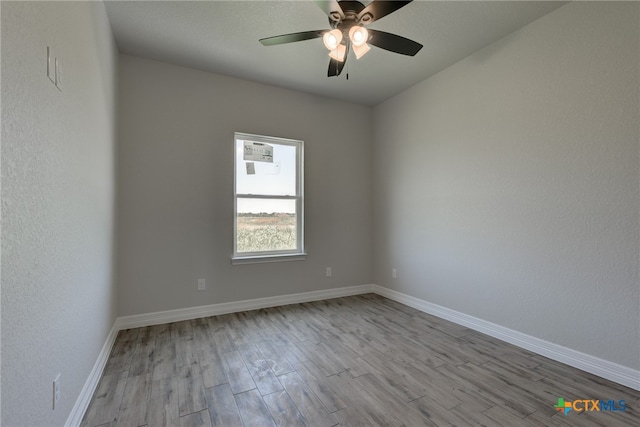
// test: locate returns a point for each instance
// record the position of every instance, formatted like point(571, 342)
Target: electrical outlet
point(56, 392)
point(329, 272)
point(202, 284)
point(394, 273)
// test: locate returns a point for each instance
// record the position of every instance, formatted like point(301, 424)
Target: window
point(269, 208)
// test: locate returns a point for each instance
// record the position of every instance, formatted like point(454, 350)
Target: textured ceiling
point(222, 37)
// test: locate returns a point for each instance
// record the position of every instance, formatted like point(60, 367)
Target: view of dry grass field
point(266, 232)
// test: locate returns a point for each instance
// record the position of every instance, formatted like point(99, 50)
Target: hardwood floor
point(354, 361)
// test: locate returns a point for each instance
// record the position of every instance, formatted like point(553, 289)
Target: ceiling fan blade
point(330, 6)
point(393, 43)
point(293, 37)
point(335, 66)
point(378, 9)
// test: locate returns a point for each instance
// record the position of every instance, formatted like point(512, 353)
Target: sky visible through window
point(264, 178)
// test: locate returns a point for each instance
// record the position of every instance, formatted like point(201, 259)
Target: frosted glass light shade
point(361, 50)
point(332, 39)
point(338, 53)
point(358, 35)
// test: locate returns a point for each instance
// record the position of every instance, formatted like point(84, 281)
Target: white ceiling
point(222, 37)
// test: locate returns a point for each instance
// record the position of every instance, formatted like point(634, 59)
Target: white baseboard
point(611, 371)
point(90, 386)
point(602, 368)
point(148, 319)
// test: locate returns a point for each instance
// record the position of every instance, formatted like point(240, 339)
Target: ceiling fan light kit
point(348, 19)
point(358, 37)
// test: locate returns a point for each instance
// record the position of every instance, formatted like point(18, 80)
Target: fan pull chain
point(347, 68)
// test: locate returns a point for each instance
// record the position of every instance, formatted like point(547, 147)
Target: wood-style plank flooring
point(354, 361)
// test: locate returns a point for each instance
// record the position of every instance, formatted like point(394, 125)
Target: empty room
point(320, 213)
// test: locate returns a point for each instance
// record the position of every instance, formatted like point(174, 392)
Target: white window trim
point(272, 256)
point(257, 259)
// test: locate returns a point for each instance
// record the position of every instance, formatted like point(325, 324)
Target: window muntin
point(268, 202)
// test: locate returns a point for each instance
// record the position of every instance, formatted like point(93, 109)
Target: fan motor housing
point(351, 10)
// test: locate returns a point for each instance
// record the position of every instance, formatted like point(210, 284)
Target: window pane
point(265, 225)
point(276, 178)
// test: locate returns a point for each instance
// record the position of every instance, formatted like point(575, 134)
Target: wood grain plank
point(361, 407)
point(436, 414)
point(186, 349)
point(516, 397)
point(211, 368)
point(262, 375)
point(401, 380)
point(282, 322)
point(121, 353)
point(223, 410)
point(321, 385)
point(143, 356)
point(163, 403)
point(251, 328)
point(540, 419)
point(355, 343)
point(161, 332)
point(236, 330)
point(274, 358)
point(183, 329)
point(309, 405)
point(202, 337)
point(288, 349)
point(253, 410)
point(239, 377)
point(191, 396)
point(164, 361)
point(318, 355)
point(283, 410)
point(135, 401)
point(266, 325)
point(197, 419)
point(218, 331)
point(500, 415)
point(106, 400)
point(374, 387)
point(354, 416)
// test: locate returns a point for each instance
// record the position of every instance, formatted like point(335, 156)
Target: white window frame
point(279, 255)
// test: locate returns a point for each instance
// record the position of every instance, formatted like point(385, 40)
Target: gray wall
point(507, 186)
point(58, 192)
point(175, 192)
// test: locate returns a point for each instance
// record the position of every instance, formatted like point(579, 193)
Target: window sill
point(256, 259)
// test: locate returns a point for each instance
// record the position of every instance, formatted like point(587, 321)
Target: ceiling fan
point(348, 20)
